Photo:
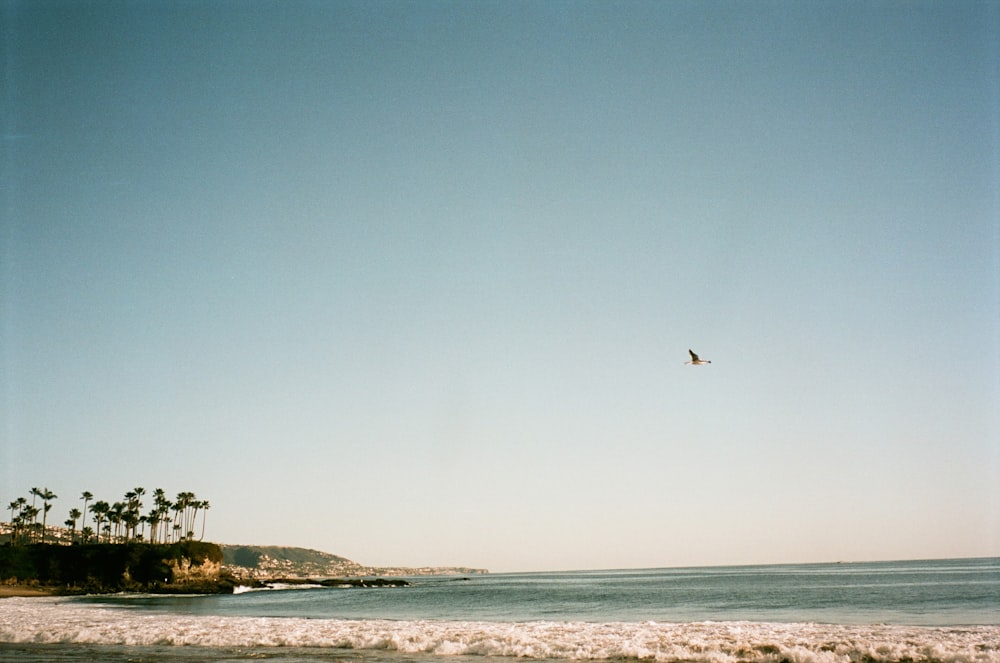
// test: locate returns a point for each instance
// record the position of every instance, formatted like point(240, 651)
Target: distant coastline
point(271, 562)
point(159, 551)
point(189, 567)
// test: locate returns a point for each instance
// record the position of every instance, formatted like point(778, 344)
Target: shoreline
point(219, 587)
point(24, 591)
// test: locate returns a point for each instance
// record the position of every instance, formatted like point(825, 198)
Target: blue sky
point(414, 282)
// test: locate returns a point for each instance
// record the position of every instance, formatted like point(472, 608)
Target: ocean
point(906, 612)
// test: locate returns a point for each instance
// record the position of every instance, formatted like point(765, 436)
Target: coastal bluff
point(186, 567)
point(249, 563)
point(189, 567)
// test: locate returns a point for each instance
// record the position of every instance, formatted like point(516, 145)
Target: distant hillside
point(264, 562)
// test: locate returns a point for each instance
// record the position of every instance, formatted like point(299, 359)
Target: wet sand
point(23, 591)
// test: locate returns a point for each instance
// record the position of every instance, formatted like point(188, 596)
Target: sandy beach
point(7, 591)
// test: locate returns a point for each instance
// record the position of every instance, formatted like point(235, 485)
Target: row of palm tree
point(26, 520)
point(120, 522)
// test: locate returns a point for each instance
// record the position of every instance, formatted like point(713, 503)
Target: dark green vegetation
point(186, 566)
point(125, 550)
point(157, 551)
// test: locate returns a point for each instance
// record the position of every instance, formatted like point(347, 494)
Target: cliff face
point(189, 566)
point(185, 570)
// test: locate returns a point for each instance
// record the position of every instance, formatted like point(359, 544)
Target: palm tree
point(14, 506)
point(34, 492)
point(16, 522)
point(127, 510)
point(45, 516)
point(178, 509)
point(161, 507)
point(22, 505)
point(131, 521)
point(86, 497)
point(154, 518)
point(47, 496)
point(100, 509)
point(205, 506)
point(195, 508)
point(135, 505)
point(74, 515)
point(116, 516)
point(183, 507)
point(86, 533)
point(29, 516)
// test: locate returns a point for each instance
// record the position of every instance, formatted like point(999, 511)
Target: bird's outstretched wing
point(694, 357)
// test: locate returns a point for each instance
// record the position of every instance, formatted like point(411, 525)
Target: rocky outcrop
point(189, 567)
point(185, 570)
point(335, 582)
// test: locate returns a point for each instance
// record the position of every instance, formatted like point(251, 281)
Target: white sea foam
point(62, 621)
point(243, 589)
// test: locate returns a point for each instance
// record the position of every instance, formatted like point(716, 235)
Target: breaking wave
point(53, 621)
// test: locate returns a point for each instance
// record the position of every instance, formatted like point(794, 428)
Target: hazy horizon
point(471, 567)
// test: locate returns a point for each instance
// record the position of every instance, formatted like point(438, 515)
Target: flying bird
point(695, 360)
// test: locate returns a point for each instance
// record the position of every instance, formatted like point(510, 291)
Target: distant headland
point(269, 562)
point(157, 552)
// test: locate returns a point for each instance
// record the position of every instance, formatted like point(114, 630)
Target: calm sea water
point(943, 610)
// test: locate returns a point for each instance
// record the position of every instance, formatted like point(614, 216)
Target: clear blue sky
point(414, 282)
